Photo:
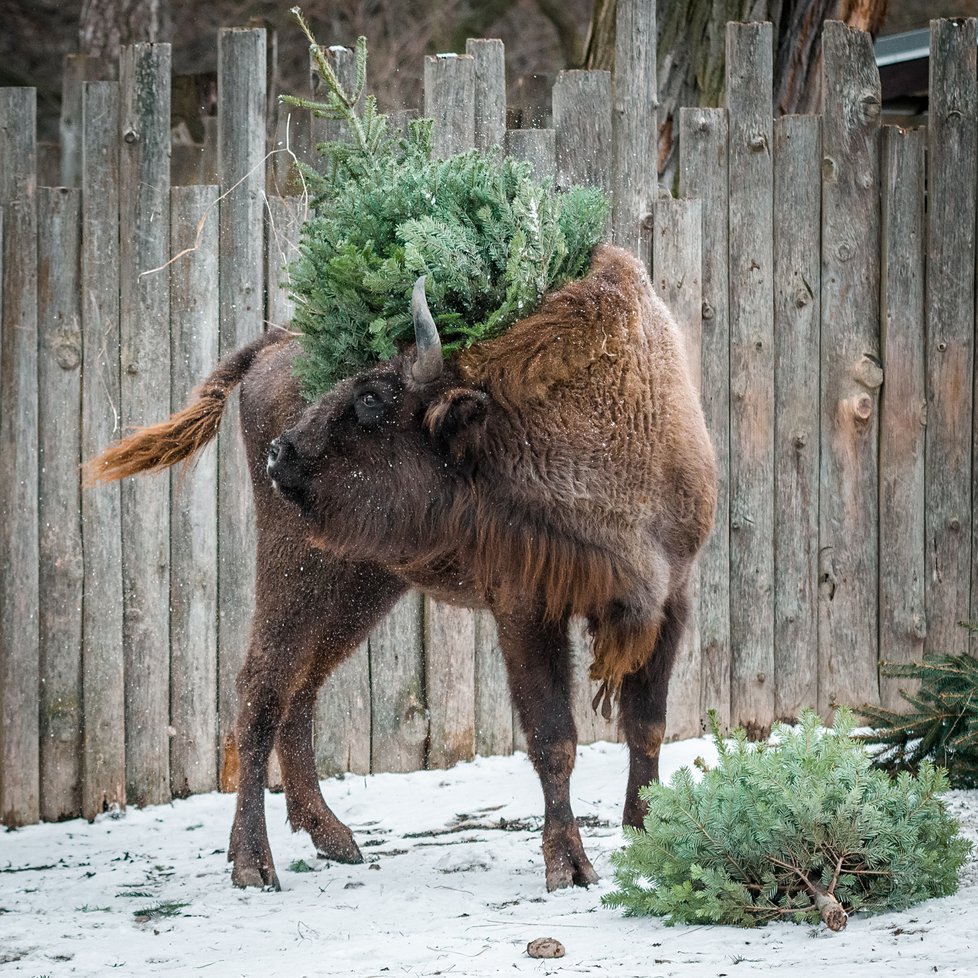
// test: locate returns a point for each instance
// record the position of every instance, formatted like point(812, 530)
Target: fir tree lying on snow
point(490, 239)
point(801, 828)
point(941, 724)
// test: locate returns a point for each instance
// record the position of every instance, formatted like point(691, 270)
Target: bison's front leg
point(643, 707)
point(537, 658)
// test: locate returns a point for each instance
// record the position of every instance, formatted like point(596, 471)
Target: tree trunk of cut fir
point(690, 53)
point(107, 25)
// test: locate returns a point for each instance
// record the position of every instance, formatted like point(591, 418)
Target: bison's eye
point(370, 408)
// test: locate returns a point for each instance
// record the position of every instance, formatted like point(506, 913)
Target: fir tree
point(801, 828)
point(941, 725)
point(490, 239)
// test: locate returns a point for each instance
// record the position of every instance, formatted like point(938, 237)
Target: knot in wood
point(844, 252)
point(862, 407)
point(648, 221)
point(762, 677)
point(757, 143)
point(869, 106)
point(800, 440)
point(802, 297)
point(67, 352)
point(707, 310)
point(132, 369)
point(868, 372)
point(953, 524)
point(703, 124)
point(829, 169)
point(942, 346)
point(130, 136)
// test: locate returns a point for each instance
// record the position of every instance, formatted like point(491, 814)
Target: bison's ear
point(455, 422)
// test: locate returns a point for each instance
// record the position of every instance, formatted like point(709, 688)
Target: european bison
point(560, 469)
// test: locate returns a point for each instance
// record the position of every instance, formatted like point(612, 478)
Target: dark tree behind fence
point(829, 317)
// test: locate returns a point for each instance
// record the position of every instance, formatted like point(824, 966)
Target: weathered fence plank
point(241, 149)
point(749, 104)
point(284, 220)
point(851, 374)
point(103, 682)
point(341, 725)
point(703, 174)
point(78, 69)
point(145, 355)
point(537, 147)
point(950, 348)
point(399, 722)
point(490, 92)
point(493, 710)
point(449, 99)
point(449, 641)
point(195, 324)
point(635, 127)
point(903, 407)
point(19, 750)
point(676, 258)
point(60, 572)
point(797, 219)
point(582, 120)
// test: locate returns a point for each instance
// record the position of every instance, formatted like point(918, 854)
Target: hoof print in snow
point(545, 947)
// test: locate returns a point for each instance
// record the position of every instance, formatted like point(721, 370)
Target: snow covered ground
point(453, 885)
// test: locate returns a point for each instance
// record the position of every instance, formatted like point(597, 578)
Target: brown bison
point(560, 469)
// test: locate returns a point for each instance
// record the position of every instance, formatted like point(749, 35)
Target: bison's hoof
point(339, 850)
point(575, 872)
point(567, 863)
point(255, 875)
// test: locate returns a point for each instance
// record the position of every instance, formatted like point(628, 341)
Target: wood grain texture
point(582, 119)
point(399, 720)
point(797, 223)
point(591, 725)
point(952, 174)
point(284, 219)
point(449, 99)
point(851, 375)
point(703, 175)
point(60, 572)
point(103, 678)
point(749, 104)
point(677, 261)
point(341, 726)
point(903, 406)
point(19, 676)
point(241, 147)
point(493, 708)
point(449, 641)
point(144, 204)
point(489, 56)
point(77, 69)
point(635, 137)
point(537, 147)
point(194, 329)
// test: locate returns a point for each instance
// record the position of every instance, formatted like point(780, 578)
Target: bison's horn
point(428, 362)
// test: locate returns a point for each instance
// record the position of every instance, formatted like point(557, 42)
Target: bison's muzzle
point(284, 466)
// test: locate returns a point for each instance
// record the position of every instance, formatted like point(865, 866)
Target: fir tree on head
point(490, 238)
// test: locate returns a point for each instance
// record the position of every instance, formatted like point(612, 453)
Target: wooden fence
point(799, 261)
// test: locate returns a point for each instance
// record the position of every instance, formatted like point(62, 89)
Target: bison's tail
point(187, 431)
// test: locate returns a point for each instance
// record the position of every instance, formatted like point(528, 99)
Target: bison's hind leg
point(642, 708)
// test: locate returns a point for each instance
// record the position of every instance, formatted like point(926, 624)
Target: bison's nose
point(281, 464)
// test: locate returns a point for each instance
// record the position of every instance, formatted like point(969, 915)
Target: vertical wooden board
point(342, 62)
point(851, 375)
point(284, 217)
point(104, 752)
point(60, 571)
point(78, 69)
point(903, 406)
point(489, 56)
point(341, 727)
point(582, 120)
point(449, 641)
point(797, 223)
point(493, 707)
point(750, 111)
point(952, 165)
point(194, 328)
point(399, 721)
point(19, 758)
point(537, 147)
point(241, 148)
point(703, 175)
point(144, 202)
point(677, 260)
point(449, 99)
point(636, 130)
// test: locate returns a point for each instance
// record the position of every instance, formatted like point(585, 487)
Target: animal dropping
point(560, 469)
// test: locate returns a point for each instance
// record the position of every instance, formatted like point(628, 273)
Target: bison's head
point(377, 463)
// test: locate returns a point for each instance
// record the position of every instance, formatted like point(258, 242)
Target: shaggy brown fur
point(562, 469)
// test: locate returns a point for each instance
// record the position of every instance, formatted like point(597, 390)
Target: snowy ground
point(453, 885)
